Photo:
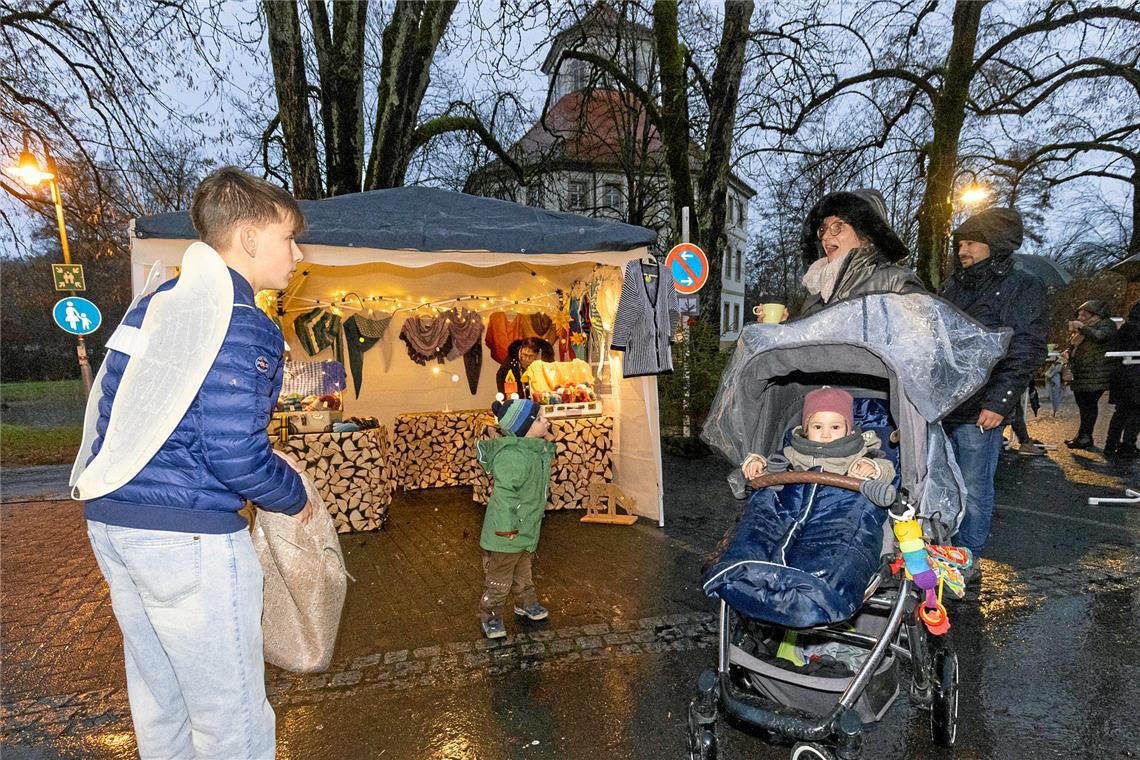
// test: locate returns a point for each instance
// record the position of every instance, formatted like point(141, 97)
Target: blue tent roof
point(430, 219)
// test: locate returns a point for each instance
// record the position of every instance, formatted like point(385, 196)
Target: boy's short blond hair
point(229, 197)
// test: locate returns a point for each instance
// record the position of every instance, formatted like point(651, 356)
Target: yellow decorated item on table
point(549, 376)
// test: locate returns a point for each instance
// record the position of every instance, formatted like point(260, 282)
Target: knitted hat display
point(828, 399)
point(515, 415)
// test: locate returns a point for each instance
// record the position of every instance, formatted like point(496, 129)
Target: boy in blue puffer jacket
point(186, 585)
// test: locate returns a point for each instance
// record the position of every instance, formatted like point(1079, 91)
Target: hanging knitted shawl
point(540, 325)
point(317, 330)
point(427, 338)
point(466, 330)
point(466, 334)
point(360, 334)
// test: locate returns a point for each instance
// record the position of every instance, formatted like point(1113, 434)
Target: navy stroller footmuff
point(799, 557)
point(803, 556)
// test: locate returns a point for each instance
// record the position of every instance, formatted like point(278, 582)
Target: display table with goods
point(437, 449)
point(583, 452)
point(352, 470)
point(349, 459)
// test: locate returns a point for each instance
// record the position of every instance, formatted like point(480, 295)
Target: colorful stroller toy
point(823, 593)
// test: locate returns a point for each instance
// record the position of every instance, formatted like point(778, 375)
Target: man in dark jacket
point(185, 581)
point(986, 286)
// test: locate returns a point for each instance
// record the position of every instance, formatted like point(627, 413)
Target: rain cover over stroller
point(803, 556)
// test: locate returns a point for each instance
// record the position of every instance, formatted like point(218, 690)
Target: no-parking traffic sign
point(689, 267)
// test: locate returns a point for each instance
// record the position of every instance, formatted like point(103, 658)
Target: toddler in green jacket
point(519, 464)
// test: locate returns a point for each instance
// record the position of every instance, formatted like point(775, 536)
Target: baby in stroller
point(828, 439)
point(832, 555)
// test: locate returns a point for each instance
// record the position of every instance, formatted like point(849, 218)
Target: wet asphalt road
point(1048, 650)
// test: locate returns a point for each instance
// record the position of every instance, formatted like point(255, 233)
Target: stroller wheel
point(702, 719)
point(944, 709)
point(702, 744)
point(810, 751)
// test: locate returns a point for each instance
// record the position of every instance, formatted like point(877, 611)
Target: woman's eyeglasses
point(832, 229)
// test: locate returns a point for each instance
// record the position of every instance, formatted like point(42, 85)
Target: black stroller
point(795, 581)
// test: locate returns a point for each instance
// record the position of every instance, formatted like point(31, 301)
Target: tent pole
point(655, 430)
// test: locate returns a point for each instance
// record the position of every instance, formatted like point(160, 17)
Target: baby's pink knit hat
point(828, 399)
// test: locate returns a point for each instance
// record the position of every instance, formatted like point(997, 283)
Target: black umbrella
point(1130, 268)
point(1051, 274)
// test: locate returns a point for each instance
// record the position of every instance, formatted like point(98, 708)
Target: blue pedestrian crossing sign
point(77, 316)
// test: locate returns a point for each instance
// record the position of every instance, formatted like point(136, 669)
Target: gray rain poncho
point(919, 351)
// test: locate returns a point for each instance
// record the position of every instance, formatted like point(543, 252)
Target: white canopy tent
point(344, 255)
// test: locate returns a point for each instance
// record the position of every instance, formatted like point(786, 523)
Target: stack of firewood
point(352, 471)
point(583, 452)
point(437, 449)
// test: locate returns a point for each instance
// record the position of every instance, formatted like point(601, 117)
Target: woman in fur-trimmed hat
point(850, 250)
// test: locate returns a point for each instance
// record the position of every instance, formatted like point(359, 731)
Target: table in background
point(353, 472)
point(437, 449)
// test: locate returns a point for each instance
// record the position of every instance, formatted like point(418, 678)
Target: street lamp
point(29, 172)
point(974, 195)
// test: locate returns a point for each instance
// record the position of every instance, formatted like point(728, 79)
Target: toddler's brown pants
point(506, 573)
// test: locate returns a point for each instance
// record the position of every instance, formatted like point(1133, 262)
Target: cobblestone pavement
point(622, 600)
point(77, 707)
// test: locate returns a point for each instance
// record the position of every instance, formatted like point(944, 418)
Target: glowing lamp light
point(974, 194)
point(28, 170)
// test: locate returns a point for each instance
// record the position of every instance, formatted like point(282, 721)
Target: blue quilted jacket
point(219, 454)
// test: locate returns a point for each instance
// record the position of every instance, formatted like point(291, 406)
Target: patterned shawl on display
point(427, 337)
point(360, 334)
point(466, 334)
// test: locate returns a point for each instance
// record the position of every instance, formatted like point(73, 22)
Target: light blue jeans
point(977, 453)
point(189, 607)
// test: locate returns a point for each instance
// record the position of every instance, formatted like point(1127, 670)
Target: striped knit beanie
point(515, 415)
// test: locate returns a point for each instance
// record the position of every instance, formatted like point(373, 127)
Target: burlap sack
point(304, 584)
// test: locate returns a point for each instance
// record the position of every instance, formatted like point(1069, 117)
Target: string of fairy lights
point(283, 303)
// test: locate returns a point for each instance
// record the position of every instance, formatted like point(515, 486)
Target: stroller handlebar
point(821, 478)
point(880, 493)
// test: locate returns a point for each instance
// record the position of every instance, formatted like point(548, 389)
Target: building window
point(739, 261)
point(534, 195)
point(576, 197)
point(612, 195)
point(724, 324)
point(740, 212)
point(579, 74)
point(735, 317)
